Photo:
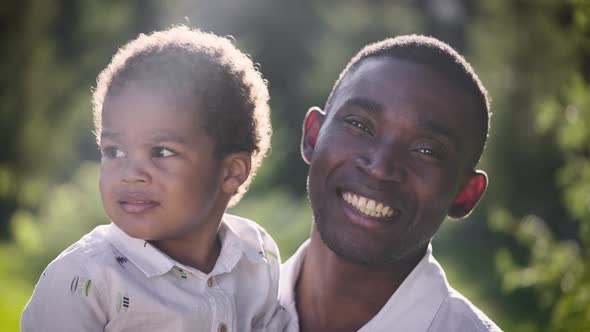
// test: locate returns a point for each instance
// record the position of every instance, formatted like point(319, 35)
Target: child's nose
point(382, 164)
point(135, 172)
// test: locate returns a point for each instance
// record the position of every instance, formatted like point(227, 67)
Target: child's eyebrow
point(167, 136)
point(107, 134)
point(157, 137)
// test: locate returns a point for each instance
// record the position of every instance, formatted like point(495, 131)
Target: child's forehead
point(175, 94)
point(139, 114)
point(137, 98)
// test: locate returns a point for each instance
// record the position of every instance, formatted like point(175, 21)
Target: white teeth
point(379, 208)
point(386, 211)
point(362, 203)
point(368, 206)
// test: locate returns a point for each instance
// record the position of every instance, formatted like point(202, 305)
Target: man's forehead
point(435, 102)
point(388, 81)
point(388, 72)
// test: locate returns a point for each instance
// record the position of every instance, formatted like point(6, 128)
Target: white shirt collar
point(289, 276)
point(415, 303)
point(153, 262)
point(411, 308)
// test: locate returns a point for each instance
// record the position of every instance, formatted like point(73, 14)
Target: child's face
point(159, 179)
point(393, 152)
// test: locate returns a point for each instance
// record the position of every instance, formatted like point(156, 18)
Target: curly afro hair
point(234, 93)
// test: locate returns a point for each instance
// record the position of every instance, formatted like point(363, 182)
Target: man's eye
point(359, 125)
point(428, 152)
point(112, 152)
point(161, 152)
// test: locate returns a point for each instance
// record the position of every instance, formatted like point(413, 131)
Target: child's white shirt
point(108, 281)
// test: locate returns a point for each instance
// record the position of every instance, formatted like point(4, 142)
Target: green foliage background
point(522, 257)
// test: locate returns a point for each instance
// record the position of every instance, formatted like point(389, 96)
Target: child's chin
point(137, 232)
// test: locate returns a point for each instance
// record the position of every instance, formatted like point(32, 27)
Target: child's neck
point(199, 253)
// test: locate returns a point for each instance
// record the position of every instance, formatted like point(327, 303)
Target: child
point(182, 121)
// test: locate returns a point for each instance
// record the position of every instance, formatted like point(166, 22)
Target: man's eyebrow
point(364, 103)
point(439, 130)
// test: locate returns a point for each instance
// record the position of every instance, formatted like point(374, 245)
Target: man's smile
point(368, 206)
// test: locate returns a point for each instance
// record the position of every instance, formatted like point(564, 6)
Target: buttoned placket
point(222, 308)
point(221, 305)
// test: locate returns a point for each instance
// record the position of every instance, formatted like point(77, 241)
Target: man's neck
point(333, 294)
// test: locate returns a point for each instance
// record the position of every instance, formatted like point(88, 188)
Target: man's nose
point(384, 164)
point(135, 172)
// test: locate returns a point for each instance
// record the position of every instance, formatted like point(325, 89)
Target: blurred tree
point(70, 210)
point(532, 56)
point(51, 52)
point(541, 159)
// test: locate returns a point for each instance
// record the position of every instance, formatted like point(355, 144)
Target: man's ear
point(470, 194)
point(309, 134)
point(236, 169)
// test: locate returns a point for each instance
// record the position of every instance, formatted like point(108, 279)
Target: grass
point(14, 289)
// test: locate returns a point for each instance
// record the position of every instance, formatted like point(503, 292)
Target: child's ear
point(236, 170)
point(470, 194)
point(311, 127)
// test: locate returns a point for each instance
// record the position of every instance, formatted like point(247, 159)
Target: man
point(393, 154)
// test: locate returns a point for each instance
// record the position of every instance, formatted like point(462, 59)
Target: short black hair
point(232, 90)
point(435, 54)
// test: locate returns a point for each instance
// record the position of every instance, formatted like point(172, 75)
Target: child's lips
point(136, 203)
point(137, 206)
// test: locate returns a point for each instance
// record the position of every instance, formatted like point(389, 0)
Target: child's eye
point(112, 152)
point(161, 152)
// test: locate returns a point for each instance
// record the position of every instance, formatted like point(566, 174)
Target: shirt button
point(210, 284)
point(222, 327)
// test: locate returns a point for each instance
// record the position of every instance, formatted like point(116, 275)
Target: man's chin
point(354, 251)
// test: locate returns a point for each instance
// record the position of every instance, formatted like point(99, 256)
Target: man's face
point(392, 154)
